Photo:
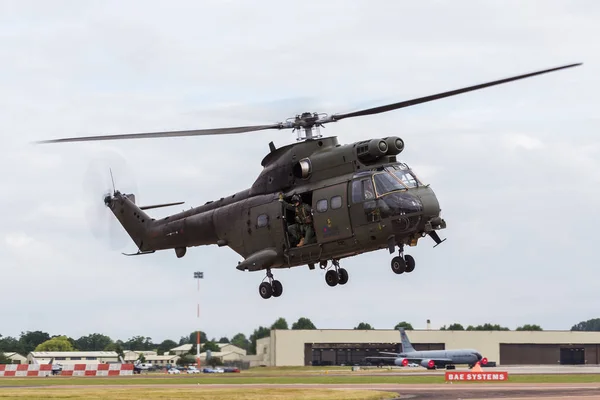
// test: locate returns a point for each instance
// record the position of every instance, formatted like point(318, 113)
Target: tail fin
point(133, 219)
point(406, 345)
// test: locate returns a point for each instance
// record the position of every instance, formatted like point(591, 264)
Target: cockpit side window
point(362, 190)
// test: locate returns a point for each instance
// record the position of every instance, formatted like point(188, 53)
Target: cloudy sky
point(516, 167)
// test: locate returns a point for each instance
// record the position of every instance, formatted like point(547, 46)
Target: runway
point(507, 391)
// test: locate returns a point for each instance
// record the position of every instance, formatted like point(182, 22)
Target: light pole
point(198, 275)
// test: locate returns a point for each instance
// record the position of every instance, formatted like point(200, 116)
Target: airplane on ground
point(138, 366)
point(432, 359)
point(56, 367)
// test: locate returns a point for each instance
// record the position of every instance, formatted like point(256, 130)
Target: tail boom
point(150, 235)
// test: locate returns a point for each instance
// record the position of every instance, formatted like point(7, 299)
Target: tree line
point(42, 341)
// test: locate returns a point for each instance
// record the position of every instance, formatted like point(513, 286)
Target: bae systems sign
point(476, 376)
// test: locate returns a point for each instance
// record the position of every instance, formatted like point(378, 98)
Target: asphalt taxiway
point(506, 391)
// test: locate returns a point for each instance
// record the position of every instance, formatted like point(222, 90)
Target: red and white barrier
point(67, 369)
point(25, 369)
point(97, 369)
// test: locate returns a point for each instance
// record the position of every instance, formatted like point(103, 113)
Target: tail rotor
point(106, 171)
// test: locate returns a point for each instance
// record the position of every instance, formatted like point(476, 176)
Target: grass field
point(186, 393)
point(243, 379)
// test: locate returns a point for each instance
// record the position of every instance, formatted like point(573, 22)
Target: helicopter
point(361, 199)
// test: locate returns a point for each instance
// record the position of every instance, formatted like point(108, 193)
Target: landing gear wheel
point(266, 290)
point(398, 265)
point(343, 276)
point(332, 278)
point(410, 263)
point(277, 288)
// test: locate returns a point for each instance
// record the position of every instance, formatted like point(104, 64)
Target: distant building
point(231, 348)
point(131, 356)
point(181, 350)
point(16, 358)
point(163, 360)
point(73, 357)
point(262, 356)
point(352, 346)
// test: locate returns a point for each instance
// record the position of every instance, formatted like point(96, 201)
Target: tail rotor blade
point(107, 172)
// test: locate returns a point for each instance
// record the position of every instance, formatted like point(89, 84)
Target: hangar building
point(350, 347)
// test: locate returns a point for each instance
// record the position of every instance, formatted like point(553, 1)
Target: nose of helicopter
point(431, 205)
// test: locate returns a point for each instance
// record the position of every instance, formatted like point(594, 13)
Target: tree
point(281, 323)
point(259, 333)
point(142, 358)
point(9, 343)
point(30, 340)
point(137, 343)
point(363, 326)
point(240, 341)
point(303, 323)
point(528, 327)
point(223, 340)
point(453, 327)
point(192, 338)
point(58, 343)
point(405, 325)
point(210, 345)
point(4, 359)
point(117, 347)
point(214, 361)
point(589, 325)
point(93, 342)
point(165, 346)
point(487, 327)
point(186, 359)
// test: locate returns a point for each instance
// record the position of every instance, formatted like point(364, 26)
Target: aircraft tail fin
point(406, 345)
point(133, 219)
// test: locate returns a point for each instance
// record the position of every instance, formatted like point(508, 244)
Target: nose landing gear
point(403, 263)
point(335, 276)
point(271, 288)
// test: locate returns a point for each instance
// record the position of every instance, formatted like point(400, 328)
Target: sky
point(515, 167)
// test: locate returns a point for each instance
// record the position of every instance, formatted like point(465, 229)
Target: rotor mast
point(309, 123)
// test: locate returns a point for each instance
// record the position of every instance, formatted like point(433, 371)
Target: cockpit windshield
point(405, 175)
point(385, 183)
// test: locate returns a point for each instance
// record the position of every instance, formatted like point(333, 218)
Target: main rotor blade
point(215, 131)
point(408, 103)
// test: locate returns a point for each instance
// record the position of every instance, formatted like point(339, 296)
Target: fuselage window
point(362, 190)
point(336, 202)
point(262, 220)
point(322, 205)
point(357, 194)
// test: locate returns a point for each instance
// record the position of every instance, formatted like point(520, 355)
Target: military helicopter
point(362, 199)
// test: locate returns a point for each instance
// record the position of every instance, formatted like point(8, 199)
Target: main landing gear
point(336, 275)
point(271, 288)
point(403, 263)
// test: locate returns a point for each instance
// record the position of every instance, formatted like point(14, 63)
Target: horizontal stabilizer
point(139, 253)
point(161, 205)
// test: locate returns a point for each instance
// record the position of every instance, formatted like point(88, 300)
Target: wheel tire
point(343, 276)
point(277, 288)
point(410, 263)
point(398, 265)
point(265, 290)
point(332, 278)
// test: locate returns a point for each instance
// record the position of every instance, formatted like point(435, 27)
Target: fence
point(24, 370)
